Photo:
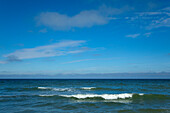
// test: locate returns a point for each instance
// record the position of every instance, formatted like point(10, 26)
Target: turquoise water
point(81, 96)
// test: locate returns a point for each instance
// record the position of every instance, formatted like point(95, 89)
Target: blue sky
point(87, 36)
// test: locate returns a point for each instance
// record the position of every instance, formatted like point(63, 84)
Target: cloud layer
point(86, 18)
point(56, 49)
point(133, 35)
point(152, 19)
point(78, 61)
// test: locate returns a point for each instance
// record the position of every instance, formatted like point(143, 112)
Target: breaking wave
point(101, 88)
point(61, 89)
point(55, 89)
point(46, 95)
point(104, 96)
point(88, 88)
point(132, 96)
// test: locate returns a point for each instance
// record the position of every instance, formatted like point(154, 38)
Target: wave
point(88, 88)
point(149, 110)
point(101, 88)
point(21, 89)
point(61, 89)
point(55, 89)
point(39, 88)
point(132, 96)
point(6, 96)
point(104, 96)
point(121, 98)
point(44, 88)
point(151, 97)
point(82, 88)
point(46, 95)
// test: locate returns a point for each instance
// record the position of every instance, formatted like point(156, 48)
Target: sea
point(84, 96)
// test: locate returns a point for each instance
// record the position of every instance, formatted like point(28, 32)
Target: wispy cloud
point(139, 34)
point(133, 35)
point(77, 61)
point(82, 60)
point(85, 18)
point(12, 58)
point(147, 34)
point(152, 19)
point(162, 22)
point(56, 49)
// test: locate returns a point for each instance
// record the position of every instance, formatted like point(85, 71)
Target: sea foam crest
point(104, 96)
point(56, 89)
point(88, 88)
point(44, 88)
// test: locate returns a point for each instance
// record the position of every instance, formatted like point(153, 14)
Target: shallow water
point(115, 96)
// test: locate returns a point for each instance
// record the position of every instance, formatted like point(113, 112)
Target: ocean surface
point(84, 96)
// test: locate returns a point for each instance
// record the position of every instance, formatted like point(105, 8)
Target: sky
point(58, 37)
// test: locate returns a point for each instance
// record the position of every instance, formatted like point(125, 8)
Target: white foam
point(141, 94)
point(62, 89)
point(56, 89)
point(125, 101)
point(104, 96)
point(88, 88)
point(44, 88)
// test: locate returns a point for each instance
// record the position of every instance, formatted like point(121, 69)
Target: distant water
point(85, 96)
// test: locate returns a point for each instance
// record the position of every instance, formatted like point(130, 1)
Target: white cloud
point(162, 22)
point(86, 18)
point(166, 9)
point(136, 35)
point(152, 19)
point(158, 18)
point(78, 61)
point(63, 22)
point(56, 49)
point(133, 35)
point(74, 61)
point(153, 13)
point(147, 34)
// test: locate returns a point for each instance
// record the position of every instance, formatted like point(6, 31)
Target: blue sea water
point(84, 96)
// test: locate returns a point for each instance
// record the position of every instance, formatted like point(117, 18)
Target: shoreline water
point(85, 95)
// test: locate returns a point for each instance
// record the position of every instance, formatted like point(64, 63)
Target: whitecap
point(88, 88)
point(141, 94)
point(104, 96)
point(62, 89)
point(56, 89)
point(44, 88)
